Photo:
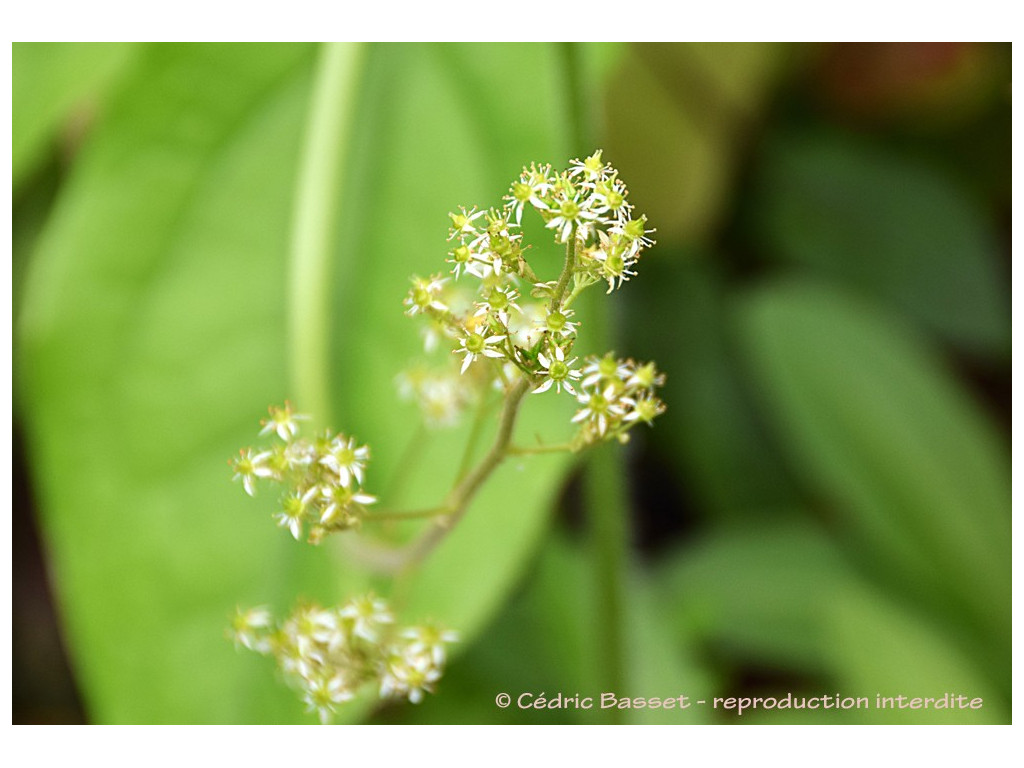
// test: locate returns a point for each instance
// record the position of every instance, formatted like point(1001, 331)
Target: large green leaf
point(545, 644)
point(153, 338)
point(893, 447)
point(48, 82)
point(712, 432)
point(678, 116)
point(889, 226)
point(883, 649)
point(442, 138)
point(786, 598)
point(759, 593)
point(520, 653)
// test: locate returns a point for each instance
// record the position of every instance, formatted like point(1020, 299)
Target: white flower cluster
point(616, 395)
point(440, 394)
point(324, 476)
point(331, 653)
point(532, 336)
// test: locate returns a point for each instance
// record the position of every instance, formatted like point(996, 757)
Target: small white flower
point(615, 260)
point(498, 302)
point(442, 400)
point(249, 466)
point(557, 323)
point(591, 170)
point(573, 212)
point(250, 628)
point(324, 694)
point(531, 187)
point(492, 251)
point(430, 640)
point(424, 295)
point(646, 409)
point(461, 257)
point(601, 408)
point(347, 460)
point(320, 629)
point(293, 511)
point(283, 422)
point(340, 503)
point(645, 377)
point(409, 674)
point(527, 327)
point(440, 395)
point(293, 659)
point(368, 614)
point(462, 222)
point(473, 345)
point(606, 368)
point(559, 372)
point(633, 231)
point(298, 454)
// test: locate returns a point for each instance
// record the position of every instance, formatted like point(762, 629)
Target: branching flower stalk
point(514, 333)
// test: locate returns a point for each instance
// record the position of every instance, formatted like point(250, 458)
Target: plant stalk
point(316, 204)
point(604, 488)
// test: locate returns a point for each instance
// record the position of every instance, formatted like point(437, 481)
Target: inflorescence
point(324, 476)
point(516, 333)
point(329, 654)
point(525, 327)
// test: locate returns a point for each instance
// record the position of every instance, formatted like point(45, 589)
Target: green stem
point(474, 434)
point(576, 99)
point(410, 458)
point(460, 497)
point(567, 271)
point(604, 488)
point(316, 203)
point(517, 450)
point(400, 560)
point(416, 514)
point(604, 493)
point(577, 289)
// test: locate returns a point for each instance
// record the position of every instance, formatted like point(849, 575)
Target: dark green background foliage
point(825, 506)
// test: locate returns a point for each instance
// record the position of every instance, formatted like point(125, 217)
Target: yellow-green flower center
point(498, 300)
point(556, 321)
point(635, 228)
point(475, 343)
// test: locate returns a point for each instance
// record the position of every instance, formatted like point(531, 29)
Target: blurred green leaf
point(712, 431)
point(153, 339)
point(894, 448)
point(48, 82)
point(151, 336)
point(544, 643)
point(787, 598)
point(520, 653)
point(759, 593)
point(678, 115)
point(890, 227)
point(663, 661)
point(883, 649)
point(442, 138)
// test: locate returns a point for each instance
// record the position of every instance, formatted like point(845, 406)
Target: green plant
point(507, 343)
